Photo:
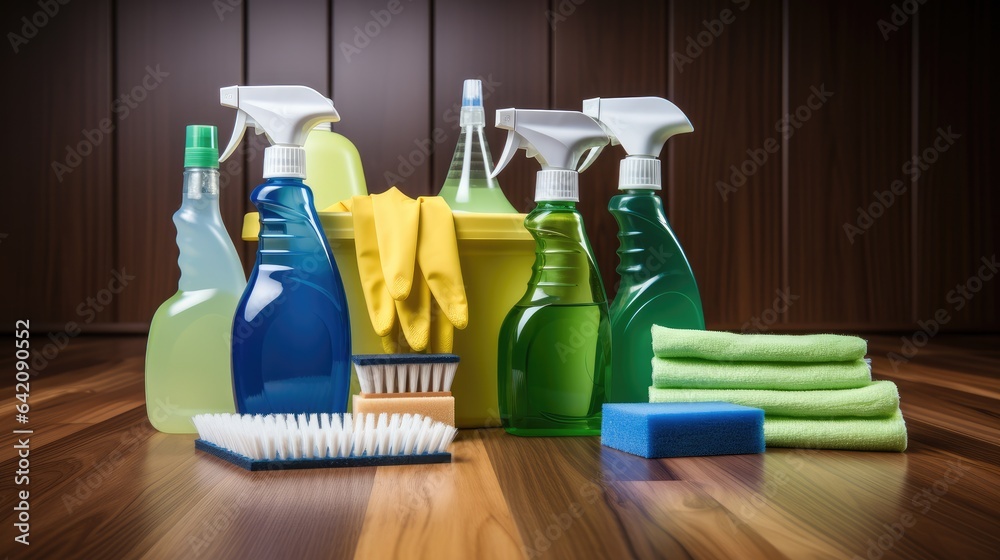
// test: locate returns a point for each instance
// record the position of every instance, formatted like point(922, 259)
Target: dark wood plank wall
point(736, 67)
point(58, 224)
point(382, 87)
point(732, 237)
point(585, 66)
point(843, 150)
point(192, 51)
point(955, 206)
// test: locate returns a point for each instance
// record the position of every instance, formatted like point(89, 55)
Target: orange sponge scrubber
point(438, 406)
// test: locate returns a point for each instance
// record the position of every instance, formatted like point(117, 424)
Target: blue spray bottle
point(291, 332)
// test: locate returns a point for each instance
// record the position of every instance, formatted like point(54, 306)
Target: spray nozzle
point(557, 139)
point(642, 125)
point(285, 114)
point(472, 93)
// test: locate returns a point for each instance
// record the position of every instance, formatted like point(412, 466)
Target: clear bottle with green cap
point(188, 359)
point(469, 186)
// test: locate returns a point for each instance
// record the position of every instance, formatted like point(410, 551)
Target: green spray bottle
point(555, 344)
point(657, 283)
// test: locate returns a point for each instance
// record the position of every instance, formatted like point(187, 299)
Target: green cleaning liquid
point(187, 373)
point(555, 344)
point(188, 359)
point(469, 187)
point(657, 287)
point(657, 284)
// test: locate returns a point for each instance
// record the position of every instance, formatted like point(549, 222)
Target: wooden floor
point(105, 484)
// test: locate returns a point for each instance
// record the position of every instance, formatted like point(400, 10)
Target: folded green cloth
point(879, 398)
point(693, 373)
point(724, 346)
point(861, 434)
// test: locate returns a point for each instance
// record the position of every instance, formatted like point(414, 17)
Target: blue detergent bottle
point(291, 333)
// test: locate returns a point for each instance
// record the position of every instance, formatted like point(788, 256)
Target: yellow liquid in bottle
point(188, 359)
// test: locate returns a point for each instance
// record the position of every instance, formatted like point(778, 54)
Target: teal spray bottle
point(657, 283)
point(187, 353)
point(555, 344)
point(291, 340)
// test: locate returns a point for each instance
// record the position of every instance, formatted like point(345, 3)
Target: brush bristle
point(405, 373)
point(319, 436)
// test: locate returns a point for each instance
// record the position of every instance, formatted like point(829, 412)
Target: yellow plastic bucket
point(496, 253)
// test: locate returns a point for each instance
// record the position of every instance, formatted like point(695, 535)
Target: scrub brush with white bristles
point(405, 373)
point(302, 441)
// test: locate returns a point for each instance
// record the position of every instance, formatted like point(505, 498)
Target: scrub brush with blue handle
point(303, 441)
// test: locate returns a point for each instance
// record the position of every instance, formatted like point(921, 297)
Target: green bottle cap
point(201, 147)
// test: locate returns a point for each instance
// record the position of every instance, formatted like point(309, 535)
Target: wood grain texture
point(583, 66)
point(56, 225)
point(515, 76)
point(171, 60)
point(94, 380)
point(382, 89)
point(412, 512)
point(554, 489)
point(836, 164)
point(730, 89)
point(957, 208)
point(672, 519)
point(105, 484)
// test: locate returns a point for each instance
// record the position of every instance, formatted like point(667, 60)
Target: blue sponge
point(654, 430)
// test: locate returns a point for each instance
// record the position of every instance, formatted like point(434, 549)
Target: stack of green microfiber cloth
point(816, 390)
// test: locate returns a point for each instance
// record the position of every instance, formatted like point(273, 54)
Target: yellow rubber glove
point(381, 306)
point(396, 221)
point(437, 253)
point(409, 265)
